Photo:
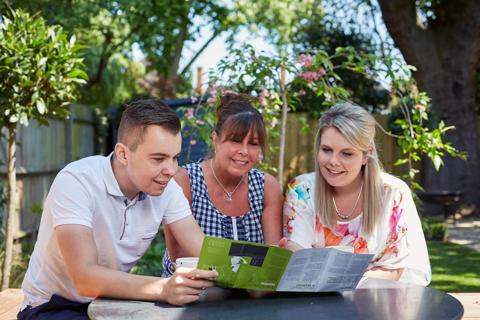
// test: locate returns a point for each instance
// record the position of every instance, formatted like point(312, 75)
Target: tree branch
point(197, 54)
point(417, 45)
point(107, 52)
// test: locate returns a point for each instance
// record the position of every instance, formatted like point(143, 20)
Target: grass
point(455, 268)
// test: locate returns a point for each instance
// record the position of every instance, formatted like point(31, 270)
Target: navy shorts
point(58, 308)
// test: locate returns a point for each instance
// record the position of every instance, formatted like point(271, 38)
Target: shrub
point(434, 229)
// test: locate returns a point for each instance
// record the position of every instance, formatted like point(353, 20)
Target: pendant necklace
point(346, 216)
point(229, 194)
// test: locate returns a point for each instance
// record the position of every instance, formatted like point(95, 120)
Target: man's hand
point(186, 285)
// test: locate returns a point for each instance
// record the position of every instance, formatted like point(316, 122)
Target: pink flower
point(211, 101)
point(263, 93)
point(212, 91)
point(193, 99)
point(301, 92)
point(189, 113)
point(263, 102)
point(200, 122)
point(309, 76)
point(305, 59)
point(420, 107)
point(321, 72)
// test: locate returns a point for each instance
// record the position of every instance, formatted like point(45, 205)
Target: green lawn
point(455, 268)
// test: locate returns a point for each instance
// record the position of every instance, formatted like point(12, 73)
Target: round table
point(373, 299)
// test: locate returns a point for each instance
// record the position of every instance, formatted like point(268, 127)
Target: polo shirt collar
point(111, 182)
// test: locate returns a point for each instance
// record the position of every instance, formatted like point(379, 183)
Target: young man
point(100, 216)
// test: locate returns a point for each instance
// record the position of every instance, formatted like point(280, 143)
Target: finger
point(202, 274)
point(283, 242)
point(190, 291)
point(181, 300)
point(183, 270)
point(197, 283)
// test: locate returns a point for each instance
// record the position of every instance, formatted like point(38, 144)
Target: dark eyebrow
point(160, 154)
point(343, 150)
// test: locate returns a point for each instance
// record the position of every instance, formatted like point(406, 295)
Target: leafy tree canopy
point(40, 70)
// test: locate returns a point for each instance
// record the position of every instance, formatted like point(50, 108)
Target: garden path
point(465, 231)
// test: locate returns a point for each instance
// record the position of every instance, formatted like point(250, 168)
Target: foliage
point(324, 33)
point(118, 84)
point(248, 71)
point(434, 229)
point(280, 20)
point(40, 70)
point(108, 29)
point(455, 268)
point(416, 138)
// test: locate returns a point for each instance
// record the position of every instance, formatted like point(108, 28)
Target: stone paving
point(465, 231)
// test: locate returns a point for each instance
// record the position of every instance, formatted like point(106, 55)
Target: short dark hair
point(237, 117)
point(140, 114)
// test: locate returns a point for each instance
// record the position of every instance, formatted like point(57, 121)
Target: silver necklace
point(346, 216)
point(228, 193)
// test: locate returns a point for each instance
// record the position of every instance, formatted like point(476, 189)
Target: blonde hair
point(358, 127)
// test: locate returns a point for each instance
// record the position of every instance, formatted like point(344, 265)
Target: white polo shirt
point(86, 193)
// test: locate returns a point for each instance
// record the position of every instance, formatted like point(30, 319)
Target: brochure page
point(242, 264)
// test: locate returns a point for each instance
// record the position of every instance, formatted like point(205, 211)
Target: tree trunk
point(446, 53)
point(453, 96)
point(12, 197)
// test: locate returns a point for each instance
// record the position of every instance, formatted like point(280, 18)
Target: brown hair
point(236, 117)
point(140, 114)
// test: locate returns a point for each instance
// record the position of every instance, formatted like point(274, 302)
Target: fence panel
point(42, 152)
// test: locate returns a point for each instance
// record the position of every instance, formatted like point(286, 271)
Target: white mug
point(187, 262)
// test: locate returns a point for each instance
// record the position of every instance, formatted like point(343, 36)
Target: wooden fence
point(41, 153)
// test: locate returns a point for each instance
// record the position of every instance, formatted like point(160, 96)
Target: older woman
point(229, 198)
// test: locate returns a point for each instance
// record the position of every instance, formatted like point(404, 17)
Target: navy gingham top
point(214, 223)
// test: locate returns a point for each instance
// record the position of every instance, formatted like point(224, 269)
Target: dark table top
point(373, 299)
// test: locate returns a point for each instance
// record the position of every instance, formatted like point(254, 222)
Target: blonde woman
point(350, 201)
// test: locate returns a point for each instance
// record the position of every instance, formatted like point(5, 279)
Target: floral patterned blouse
point(397, 242)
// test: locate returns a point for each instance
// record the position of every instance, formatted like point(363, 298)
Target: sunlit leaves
point(40, 70)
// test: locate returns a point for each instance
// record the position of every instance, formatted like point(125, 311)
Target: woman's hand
point(382, 273)
point(288, 244)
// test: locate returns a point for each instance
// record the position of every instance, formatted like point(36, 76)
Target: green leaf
point(399, 162)
point(13, 119)
point(437, 162)
point(41, 106)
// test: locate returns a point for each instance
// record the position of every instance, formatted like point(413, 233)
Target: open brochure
point(242, 264)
